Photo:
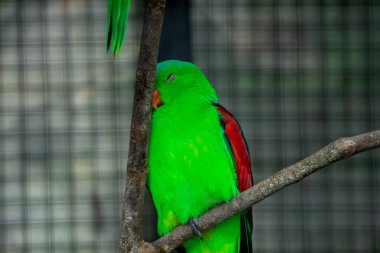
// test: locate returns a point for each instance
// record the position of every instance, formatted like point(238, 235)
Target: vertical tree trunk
point(130, 237)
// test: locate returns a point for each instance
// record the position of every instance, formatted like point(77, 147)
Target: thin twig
point(335, 151)
point(130, 234)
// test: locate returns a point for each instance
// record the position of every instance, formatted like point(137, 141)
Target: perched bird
point(198, 158)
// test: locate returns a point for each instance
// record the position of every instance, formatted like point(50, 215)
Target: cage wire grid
point(296, 74)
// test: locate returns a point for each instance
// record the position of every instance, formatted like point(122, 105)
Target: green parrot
point(198, 158)
point(117, 23)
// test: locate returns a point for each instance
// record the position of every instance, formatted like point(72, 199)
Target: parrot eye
point(170, 77)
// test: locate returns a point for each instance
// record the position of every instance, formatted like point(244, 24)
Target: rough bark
point(130, 234)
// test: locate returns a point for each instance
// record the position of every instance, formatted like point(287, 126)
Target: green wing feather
point(118, 11)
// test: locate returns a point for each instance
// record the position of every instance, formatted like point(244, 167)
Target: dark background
point(296, 74)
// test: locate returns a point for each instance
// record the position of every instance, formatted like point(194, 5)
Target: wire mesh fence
point(296, 74)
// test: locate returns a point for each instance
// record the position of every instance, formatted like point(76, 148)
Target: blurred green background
point(296, 74)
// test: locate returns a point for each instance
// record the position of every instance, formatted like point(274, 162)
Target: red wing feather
point(239, 148)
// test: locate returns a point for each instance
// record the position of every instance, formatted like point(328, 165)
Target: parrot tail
point(246, 231)
point(117, 23)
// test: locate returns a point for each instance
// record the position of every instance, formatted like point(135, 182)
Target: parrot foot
point(195, 227)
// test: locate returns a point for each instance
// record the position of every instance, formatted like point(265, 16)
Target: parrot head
point(181, 83)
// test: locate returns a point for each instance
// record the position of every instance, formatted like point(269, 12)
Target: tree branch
point(130, 237)
point(335, 151)
point(130, 234)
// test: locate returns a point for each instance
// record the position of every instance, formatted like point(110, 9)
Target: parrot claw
point(195, 227)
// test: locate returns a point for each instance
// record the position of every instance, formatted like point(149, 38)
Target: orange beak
point(156, 101)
